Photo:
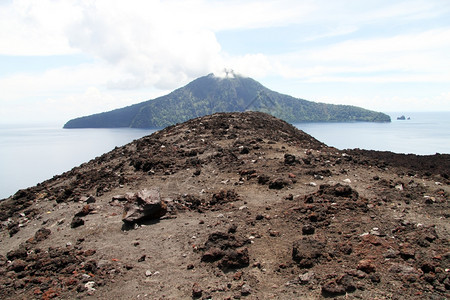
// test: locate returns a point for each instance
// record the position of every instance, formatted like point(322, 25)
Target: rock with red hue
point(235, 259)
point(89, 252)
point(212, 255)
point(237, 275)
point(84, 211)
point(407, 251)
point(339, 286)
point(366, 265)
point(223, 197)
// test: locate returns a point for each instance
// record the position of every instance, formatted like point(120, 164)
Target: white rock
point(347, 180)
point(307, 277)
point(399, 187)
point(90, 286)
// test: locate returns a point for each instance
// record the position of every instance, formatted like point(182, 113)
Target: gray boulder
point(144, 205)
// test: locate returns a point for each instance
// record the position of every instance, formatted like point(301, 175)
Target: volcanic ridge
point(232, 206)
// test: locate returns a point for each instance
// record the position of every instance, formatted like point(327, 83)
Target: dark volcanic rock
point(307, 252)
point(41, 234)
point(227, 249)
point(234, 259)
point(338, 190)
point(308, 229)
point(278, 184)
point(289, 159)
point(76, 222)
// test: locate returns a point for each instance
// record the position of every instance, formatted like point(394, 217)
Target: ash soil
point(254, 209)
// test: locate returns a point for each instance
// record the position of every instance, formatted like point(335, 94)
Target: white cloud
point(35, 27)
point(54, 81)
point(394, 103)
point(421, 57)
point(61, 108)
point(140, 45)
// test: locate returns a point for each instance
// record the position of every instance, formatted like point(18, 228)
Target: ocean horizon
point(31, 153)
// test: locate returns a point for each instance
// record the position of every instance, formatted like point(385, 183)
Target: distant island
point(402, 118)
point(210, 94)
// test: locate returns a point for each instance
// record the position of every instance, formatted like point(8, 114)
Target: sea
point(32, 153)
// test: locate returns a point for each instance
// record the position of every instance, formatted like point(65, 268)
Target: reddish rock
point(366, 265)
point(339, 286)
point(407, 251)
point(212, 255)
point(372, 239)
point(235, 259)
point(87, 209)
point(237, 275)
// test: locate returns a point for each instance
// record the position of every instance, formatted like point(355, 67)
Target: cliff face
point(210, 94)
point(232, 205)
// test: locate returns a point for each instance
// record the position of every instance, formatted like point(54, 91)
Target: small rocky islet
point(232, 206)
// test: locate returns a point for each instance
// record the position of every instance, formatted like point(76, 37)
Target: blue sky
point(64, 59)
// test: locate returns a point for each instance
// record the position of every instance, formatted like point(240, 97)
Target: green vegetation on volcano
point(210, 94)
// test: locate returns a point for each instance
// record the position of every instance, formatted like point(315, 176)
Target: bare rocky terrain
point(232, 206)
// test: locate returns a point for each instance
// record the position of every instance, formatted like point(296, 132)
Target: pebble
point(399, 187)
point(90, 286)
point(148, 273)
point(245, 290)
point(307, 277)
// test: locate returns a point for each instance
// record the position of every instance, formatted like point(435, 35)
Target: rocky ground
point(232, 206)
